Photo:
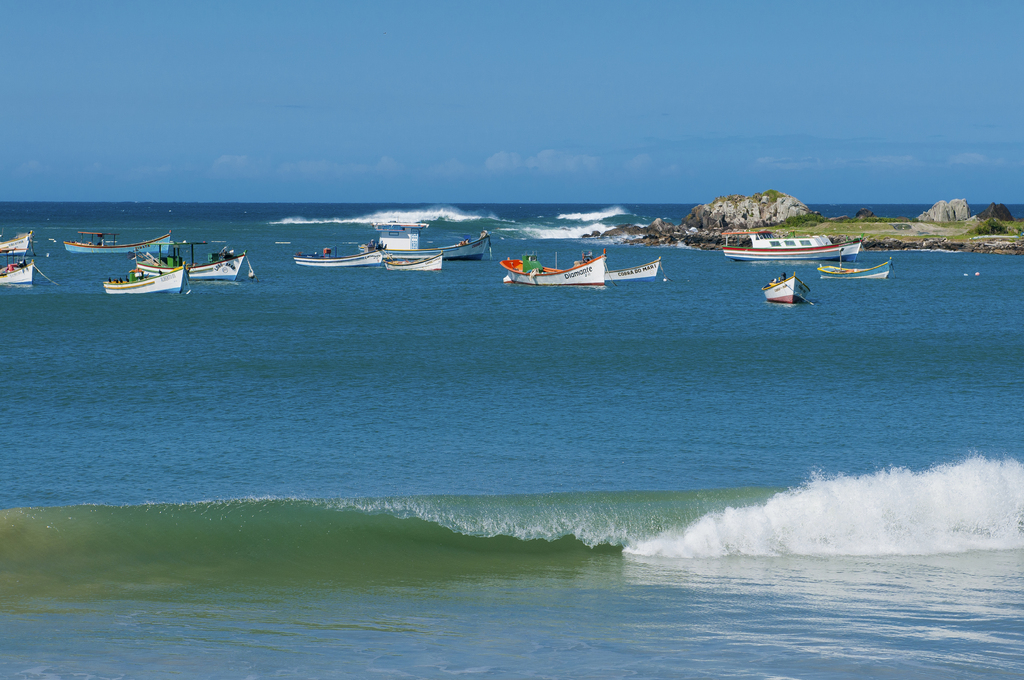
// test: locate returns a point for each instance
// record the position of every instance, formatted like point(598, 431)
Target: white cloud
point(639, 163)
point(548, 161)
point(968, 159)
point(31, 168)
point(237, 167)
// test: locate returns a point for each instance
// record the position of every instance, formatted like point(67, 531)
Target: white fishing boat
point(18, 273)
point(882, 271)
point(402, 241)
point(373, 258)
point(786, 289)
point(644, 272)
point(18, 245)
point(529, 271)
point(764, 246)
point(424, 264)
point(103, 242)
point(220, 266)
point(139, 281)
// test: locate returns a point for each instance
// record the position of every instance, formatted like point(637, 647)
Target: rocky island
point(945, 226)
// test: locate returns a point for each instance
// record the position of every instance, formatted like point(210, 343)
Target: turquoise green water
point(363, 473)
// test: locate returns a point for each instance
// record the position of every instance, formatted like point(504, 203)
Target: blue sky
point(433, 102)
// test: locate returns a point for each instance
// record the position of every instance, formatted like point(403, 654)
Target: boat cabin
point(399, 236)
point(531, 263)
point(765, 239)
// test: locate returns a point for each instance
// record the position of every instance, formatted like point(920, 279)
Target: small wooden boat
point(17, 246)
point(371, 259)
point(102, 242)
point(764, 246)
point(530, 272)
point(139, 281)
point(18, 272)
point(644, 272)
point(220, 266)
point(788, 290)
point(882, 271)
point(424, 264)
point(402, 241)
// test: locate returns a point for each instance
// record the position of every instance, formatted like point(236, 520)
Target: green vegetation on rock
point(993, 227)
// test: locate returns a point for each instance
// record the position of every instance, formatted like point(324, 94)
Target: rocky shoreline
point(704, 227)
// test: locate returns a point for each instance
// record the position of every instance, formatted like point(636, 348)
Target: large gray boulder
point(745, 213)
point(956, 210)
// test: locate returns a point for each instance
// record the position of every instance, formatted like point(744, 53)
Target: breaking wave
point(595, 216)
point(431, 214)
point(974, 505)
point(563, 232)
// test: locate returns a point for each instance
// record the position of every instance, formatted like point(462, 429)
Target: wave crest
point(595, 216)
point(432, 214)
point(974, 505)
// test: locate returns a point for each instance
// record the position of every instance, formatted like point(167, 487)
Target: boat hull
point(425, 264)
point(371, 259)
point(16, 246)
point(474, 250)
point(789, 291)
point(225, 270)
point(882, 271)
point(842, 252)
point(645, 272)
point(590, 273)
point(173, 282)
point(19, 275)
point(143, 247)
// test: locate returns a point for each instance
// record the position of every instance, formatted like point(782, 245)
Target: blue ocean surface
point(343, 473)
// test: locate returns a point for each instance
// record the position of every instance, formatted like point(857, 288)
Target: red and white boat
point(788, 290)
point(764, 246)
point(531, 272)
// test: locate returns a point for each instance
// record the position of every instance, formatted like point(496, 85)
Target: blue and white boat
point(765, 246)
point(103, 242)
point(402, 242)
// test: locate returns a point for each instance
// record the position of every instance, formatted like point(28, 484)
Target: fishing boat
point(644, 272)
point(139, 281)
point(786, 289)
point(19, 272)
point(370, 259)
point(423, 264)
point(220, 266)
point(882, 271)
point(529, 271)
point(402, 241)
point(102, 242)
point(18, 245)
point(765, 246)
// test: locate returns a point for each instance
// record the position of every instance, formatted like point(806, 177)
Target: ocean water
point(362, 473)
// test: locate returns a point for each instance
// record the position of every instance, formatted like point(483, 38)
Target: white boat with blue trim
point(765, 246)
point(882, 271)
point(139, 281)
point(402, 241)
point(104, 242)
point(644, 272)
point(224, 265)
point(19, 272)
point(374, 258)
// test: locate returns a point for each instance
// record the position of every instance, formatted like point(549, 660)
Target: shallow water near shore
point(367, 473)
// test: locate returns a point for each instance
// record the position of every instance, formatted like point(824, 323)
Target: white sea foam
point(974, 505)
point(431, 214)
point(563, 232)
point(592, 216)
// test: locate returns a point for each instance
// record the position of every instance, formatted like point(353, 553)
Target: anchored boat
point(18, 272)
point(103, 242)
point(788, 290)
point(882, 271)
point(530, 272)
point(423, 264)
point(220, 266)
point(139, 281)
point(402, 241)
point(764, 246)
point(18, 245)
point(644, 272)
point(370, 259)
